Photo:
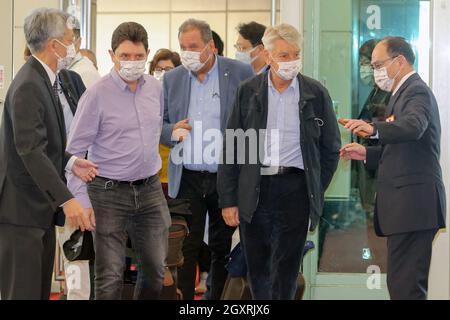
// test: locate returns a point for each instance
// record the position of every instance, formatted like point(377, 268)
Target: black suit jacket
point(238, 184)
point(32, 151)
point(410, 191)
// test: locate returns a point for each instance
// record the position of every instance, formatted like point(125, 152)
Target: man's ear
point(51, 45)
point(403, 60)
point(212, 46)
point(266, 56)
point(112, 55)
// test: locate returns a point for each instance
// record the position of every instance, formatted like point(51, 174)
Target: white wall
point(21, 9)
point(12, 16)
point(162, 19)
point(440, 265)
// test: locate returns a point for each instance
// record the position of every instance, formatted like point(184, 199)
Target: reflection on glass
point(347, 239)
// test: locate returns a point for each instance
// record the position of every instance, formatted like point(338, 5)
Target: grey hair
point(202, 26)
point(282, 31)
point(44, 24)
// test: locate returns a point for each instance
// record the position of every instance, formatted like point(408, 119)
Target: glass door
point(349, 261)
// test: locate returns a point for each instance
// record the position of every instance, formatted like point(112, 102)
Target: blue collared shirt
point(283, 115)
point(204, 114)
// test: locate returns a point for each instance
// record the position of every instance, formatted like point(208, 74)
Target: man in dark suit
point(33, 160)
point(410, 206)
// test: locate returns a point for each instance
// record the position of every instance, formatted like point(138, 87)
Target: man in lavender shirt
point(118, 122)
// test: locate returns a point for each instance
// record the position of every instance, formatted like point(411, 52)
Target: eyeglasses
point(380, 64)
point(163, 69)
point(238, 47)
point(241, 49)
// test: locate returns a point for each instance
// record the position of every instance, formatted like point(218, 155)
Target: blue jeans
point(273, 242)
point(140, 212)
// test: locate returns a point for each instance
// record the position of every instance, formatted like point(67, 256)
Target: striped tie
point(55, 89)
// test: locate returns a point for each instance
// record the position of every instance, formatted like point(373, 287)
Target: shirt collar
point(210, 72)
point(293, 84)
point(50, 73)
point(121, 83)
point(263, 69)
point(406, 77)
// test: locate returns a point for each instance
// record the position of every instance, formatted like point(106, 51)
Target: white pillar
point(439, 283)
point(291, 12)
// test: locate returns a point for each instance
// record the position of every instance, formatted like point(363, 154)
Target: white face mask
point(382, 78)
point(366, 74)
point(64, 63)
point(245, 56)
point(289, 70)
point(159, 75)
point(191, 60)
point(132, 70)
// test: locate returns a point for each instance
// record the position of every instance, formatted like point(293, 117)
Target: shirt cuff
point(62, 206)
point(70, 163)
point(84, 201)
point(375, 137)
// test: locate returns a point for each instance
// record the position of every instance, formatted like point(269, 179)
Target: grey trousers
point(140, 212)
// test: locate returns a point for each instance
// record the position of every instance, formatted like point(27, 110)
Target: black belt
point(129, 183)
point(199, 172)
point(278, 171)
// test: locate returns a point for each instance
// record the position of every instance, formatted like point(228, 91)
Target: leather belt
point(278, 171)
point(129, 183)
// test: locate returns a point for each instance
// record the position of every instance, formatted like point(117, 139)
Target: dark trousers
point(27, 257)
point(409, 257)
point(274, 240)
point(200, 189)
point(140, 212)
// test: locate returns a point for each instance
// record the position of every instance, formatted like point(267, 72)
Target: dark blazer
point(32, 151)
point(410, 191)
point(239, 185)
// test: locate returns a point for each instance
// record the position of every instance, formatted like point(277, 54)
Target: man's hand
point(231, 216)
point(353, 151)
point(360, 127)
point(85, 170)
point(181, 130)
point(77, 217)
point(91, 216)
